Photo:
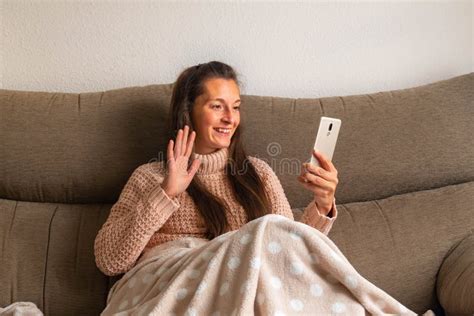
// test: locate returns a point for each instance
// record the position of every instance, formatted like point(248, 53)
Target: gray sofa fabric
point(405, 194)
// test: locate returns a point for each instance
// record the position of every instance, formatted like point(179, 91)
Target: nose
point(228, 117)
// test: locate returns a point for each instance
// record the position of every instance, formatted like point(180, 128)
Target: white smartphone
point(326, 138)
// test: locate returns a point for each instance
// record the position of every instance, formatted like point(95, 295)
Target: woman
point(211, 231)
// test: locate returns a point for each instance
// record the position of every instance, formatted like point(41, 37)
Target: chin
point(220, 146)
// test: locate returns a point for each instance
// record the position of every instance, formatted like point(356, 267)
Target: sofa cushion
point(398, 243)
point(47, 257)
point(455, 284)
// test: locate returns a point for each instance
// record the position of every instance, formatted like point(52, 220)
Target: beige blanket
point(21, 309)
point(271, 266)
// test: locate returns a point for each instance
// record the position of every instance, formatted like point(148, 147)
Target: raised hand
point(178, 177)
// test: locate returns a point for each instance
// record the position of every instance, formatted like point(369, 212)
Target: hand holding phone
point(325, 144)
point(326, 138)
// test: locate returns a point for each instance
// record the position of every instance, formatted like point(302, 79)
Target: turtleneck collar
point(213, 162)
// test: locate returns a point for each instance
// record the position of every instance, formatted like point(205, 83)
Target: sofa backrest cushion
point(81, 148)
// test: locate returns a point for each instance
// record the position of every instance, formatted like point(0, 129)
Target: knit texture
point(145, 216)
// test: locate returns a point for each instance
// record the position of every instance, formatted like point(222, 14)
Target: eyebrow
point(222, 100)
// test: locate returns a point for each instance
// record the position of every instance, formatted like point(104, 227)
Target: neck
point(212, 162)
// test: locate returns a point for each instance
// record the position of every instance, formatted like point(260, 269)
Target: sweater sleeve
point(280, 205)
point(313, 217)
point(142, 208)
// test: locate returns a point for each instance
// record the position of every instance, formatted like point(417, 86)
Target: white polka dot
point(274, 247)
point(260, 298)
point(275, 282)
point(147, 278)
point(351, 282)
point(338, 307)
point(278, 313)
point(181, 293)
point(135, 299)
point(131, 282)
point(233, 263)
point(123, 305)
point(202, 286)
point(295, 235)
point(191, 312)
point(193, 274)
point(245, 239)
point(296, 268)
point(245, 287)
point(162, 285)
point(296, 305)
point(316, 290)
point(224, 288)
point(314, 258)
point(255, 263)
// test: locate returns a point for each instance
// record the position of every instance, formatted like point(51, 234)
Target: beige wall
point(294, 49)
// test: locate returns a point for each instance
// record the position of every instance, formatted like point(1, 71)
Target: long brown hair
point(247, 186)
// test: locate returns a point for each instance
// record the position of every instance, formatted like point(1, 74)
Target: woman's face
point(216, 115)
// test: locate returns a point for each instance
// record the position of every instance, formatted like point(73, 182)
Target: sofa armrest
point(455, 283)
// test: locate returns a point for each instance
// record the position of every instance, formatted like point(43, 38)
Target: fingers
point(185, 139)
point(323, 161)
point(302, 179)
point(169, 152)
point(189, 149)
point(179, 141)
point(316, 190)
point(318, 171)
point(302, 173)
point(317, 181)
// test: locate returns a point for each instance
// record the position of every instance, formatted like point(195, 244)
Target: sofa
point(405, 161)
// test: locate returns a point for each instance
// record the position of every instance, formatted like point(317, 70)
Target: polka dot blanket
point(21, 309)
point(270, 266)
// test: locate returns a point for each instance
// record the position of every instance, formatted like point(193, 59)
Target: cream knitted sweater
point(144, 216)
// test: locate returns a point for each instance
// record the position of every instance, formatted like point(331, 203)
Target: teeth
point(223, 130)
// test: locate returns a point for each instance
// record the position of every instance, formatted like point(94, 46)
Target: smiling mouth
point(223, 131)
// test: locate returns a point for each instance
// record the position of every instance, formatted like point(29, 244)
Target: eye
point(237, 108)
point(215, 106)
